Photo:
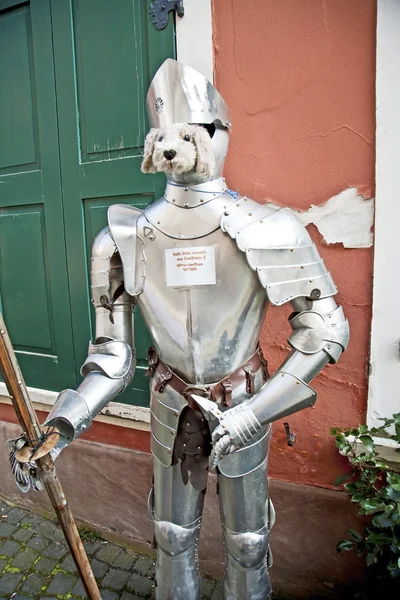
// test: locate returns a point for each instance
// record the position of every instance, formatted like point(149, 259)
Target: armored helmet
point(180, 94)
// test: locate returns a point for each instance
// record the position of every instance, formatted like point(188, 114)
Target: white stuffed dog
point(179, 148)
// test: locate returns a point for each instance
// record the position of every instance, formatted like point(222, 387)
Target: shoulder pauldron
point(280, 249)
point(122, 220)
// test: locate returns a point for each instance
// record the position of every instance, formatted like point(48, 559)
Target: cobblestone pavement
point(35, 563)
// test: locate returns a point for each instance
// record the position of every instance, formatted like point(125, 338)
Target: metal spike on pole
point(31, 429)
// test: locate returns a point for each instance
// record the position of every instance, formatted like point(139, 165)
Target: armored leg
point(177, 510)
point(245, 523)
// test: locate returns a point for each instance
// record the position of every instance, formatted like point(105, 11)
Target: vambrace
point(110, 364)
point(320, 334)
point(107, 371)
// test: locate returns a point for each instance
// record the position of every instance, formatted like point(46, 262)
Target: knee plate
point(248, 549)
point(175, 539)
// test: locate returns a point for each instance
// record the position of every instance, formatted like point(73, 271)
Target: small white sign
point(190, 266)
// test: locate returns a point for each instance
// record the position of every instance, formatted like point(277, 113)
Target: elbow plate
point(115, 359)
point(313, 332)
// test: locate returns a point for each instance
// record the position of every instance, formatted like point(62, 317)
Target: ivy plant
point(375, 486)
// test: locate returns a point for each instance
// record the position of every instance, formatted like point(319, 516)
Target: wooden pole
point(30, 425)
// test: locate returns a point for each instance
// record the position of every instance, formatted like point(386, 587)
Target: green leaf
point(392, 494)
point(396, 417)
point(370, 559)
point(368, 442)
point(339, 480)
point(394, 480)
point(387, 422)
point(380, 539)
point(381, 520)
point(358, 497)
point(334, 431)
point(344, 546)
point(342, 444)
point(381, 464)
point(371, 506)
point(351, 487)
point(362, 429)
point(360, 547)
point(355, 535)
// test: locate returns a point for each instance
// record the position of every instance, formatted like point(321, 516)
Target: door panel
point(33, 269)
point(105, 56)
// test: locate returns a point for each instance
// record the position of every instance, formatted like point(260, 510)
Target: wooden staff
point(31, 429)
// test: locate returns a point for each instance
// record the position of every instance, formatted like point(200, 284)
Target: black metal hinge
point(160, 9)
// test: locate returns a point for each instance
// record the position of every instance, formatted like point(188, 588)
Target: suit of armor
point(202, 264)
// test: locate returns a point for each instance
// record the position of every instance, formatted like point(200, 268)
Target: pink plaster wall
point(298, 77)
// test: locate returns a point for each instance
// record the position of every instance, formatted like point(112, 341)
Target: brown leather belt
point(221, 391)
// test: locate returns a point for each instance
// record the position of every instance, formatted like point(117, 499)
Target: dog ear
point(205, 164)
point(147, 163)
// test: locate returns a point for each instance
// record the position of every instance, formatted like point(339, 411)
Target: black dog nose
point(169, 154)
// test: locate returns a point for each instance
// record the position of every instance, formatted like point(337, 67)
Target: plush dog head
point(179, 148)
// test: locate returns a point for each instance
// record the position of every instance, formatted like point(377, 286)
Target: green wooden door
point(33, 268)
point(106, 53)
point(73, 81)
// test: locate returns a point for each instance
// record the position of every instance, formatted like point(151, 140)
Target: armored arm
point(280, 250)
point(110, 364)
point(320, 333)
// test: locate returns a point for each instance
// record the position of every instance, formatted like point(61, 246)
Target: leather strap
point(221, 391)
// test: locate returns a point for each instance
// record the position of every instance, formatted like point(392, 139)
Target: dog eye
point(160, 139)
point(186, 138)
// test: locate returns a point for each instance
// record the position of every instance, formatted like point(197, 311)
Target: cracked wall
point(298, 78)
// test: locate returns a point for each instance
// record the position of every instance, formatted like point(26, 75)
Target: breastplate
point(201, 302)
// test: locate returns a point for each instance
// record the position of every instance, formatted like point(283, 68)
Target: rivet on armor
point(315, 293)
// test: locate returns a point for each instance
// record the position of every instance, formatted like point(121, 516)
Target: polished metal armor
point(238, 257)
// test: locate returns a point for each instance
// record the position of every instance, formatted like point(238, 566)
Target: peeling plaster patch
point(346, 218)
